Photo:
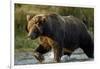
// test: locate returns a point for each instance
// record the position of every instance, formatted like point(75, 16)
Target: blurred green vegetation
point(21, 10)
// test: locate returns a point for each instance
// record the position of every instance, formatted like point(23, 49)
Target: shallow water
point(26, 58)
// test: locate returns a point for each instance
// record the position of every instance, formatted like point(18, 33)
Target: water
point(26, 58)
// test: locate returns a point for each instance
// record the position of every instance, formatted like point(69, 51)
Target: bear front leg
point(57, 53)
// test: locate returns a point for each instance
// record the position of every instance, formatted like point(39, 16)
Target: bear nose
point(29, 37)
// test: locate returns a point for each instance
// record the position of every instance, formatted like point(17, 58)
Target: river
point(26, 58)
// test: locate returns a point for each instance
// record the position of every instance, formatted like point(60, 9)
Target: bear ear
point(29, 17)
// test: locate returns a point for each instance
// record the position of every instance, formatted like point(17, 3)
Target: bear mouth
point(33, 37)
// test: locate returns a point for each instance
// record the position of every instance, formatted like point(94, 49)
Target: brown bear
point(68, 33)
